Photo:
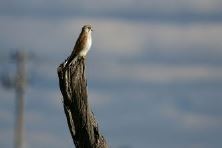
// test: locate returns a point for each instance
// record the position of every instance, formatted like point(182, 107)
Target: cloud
point(6, 137)
point(44, 139)
point(192, 121)
point(125, 8)
point(156, 103)
point(155, 73)
point(111, 36)
point(97, 98)
point(6, 118)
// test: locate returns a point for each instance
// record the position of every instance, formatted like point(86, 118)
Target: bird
point(83, 44)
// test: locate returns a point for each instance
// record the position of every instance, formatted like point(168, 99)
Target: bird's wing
point(80, 43)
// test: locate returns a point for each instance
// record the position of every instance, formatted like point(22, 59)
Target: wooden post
point(81, 121)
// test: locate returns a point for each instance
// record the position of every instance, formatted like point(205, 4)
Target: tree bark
point(81, 121)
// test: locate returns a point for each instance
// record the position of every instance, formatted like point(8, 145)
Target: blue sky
point(154, 70)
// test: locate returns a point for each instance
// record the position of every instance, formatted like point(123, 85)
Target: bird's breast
point(87, 46)
point(89, 42)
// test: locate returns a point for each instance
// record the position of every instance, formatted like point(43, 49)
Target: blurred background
point(154, 70)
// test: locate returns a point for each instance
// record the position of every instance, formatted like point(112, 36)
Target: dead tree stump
point(81, 121)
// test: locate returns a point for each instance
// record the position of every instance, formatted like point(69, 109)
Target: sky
point(154, 71)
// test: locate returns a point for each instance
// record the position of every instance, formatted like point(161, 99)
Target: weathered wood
point(81, 121)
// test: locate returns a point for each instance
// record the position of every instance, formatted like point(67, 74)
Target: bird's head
point(87, 28)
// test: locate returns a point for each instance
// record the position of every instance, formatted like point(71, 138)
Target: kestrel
point(83, 43)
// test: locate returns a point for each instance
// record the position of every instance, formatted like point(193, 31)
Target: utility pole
point(20, 82)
